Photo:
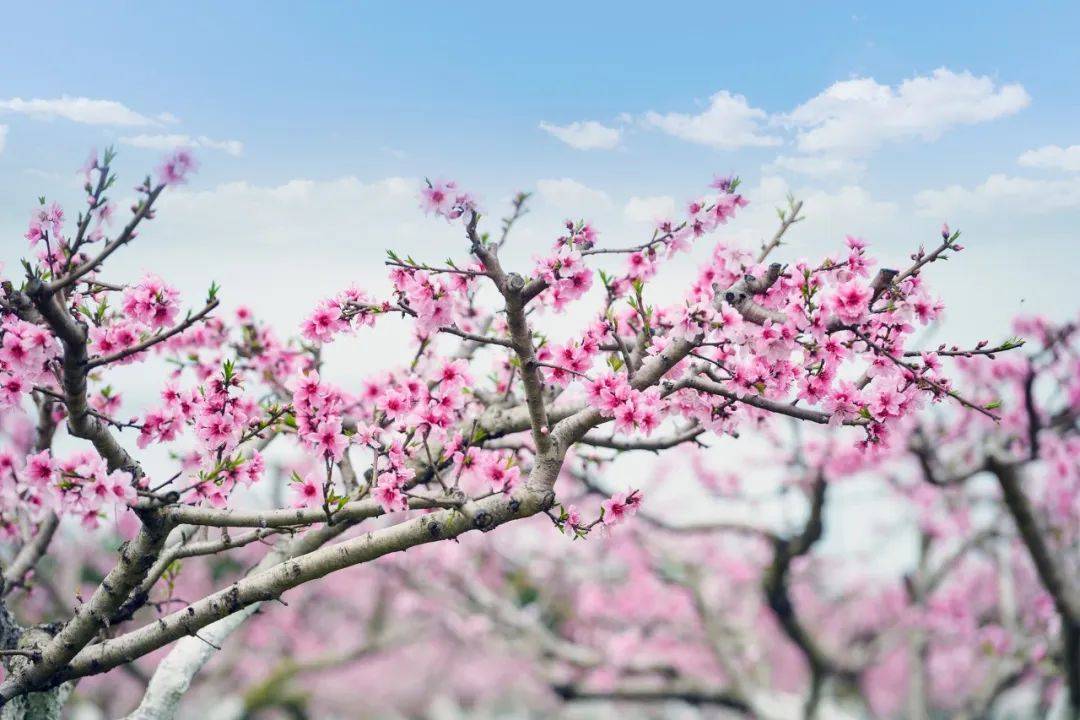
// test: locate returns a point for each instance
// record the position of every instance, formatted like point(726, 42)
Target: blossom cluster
point(348, 310)
point(80, 485)
point(429, 299)
point(444, 198)
point(633, 410)
point(151, 302)
point(486, 471)
point(45, 220)
point(567, 361)
point(26, 351)
point(564, 271)
point(318, 409)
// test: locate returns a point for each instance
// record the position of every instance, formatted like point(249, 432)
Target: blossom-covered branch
point(747, 341)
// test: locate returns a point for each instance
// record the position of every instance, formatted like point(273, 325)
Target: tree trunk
point(1070, 633)
point(38, 706)
point(34, 706)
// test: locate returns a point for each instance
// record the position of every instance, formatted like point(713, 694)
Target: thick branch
point(81, 421)
point(531, 379)
point(136, 557)
point(684, 693)
point(271, 583)
point(778, 598)
point(288, 517)
point(1055, 578)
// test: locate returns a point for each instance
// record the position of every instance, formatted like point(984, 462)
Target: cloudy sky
point(314, 130)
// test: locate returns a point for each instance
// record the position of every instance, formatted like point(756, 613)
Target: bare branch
point(126, 235)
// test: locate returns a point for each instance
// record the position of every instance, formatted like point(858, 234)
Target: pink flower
point(12, 389)
point(328, 439)
point(849, 303)
point(36, 231)
point(437, 197)
point(151, 302)
point(619, 507)
point(502, 478)
point(390, 497)
point(324, 322)
point(175, 168)
point(573, 517)
point(886, 402)
point(40, 469)
point(89, 166)
point(842, 402)
point(443, 198)
point(306, 389)
point(307, 492)
point(396, 404)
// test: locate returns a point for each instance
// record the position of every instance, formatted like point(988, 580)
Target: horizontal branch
point(818, 416)
point(649, 444)
point(685, 693)
point(271, 583)
point(289, 517)
point(153, 339)
point(708, 526)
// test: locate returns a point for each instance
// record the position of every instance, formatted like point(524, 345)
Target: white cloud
point(727, 124)
point(170, 141)
point(304, 235)
point(856, 116)
point(1053, 156)
point(313, 238)
point(649, 209)
point(232, 147)
point(815, 166)
point(285, 215)
point(1001, 193)
point(586, 135)
point(78, 109)
point(829, 216)
point(3, 137)
point(572, 196)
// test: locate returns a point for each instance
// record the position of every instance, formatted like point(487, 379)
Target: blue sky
point(347, 87)
point(277, 93)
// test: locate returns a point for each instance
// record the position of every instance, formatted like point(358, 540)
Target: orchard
point(264, 572)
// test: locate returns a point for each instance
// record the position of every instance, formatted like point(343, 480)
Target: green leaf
point(228, 370)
